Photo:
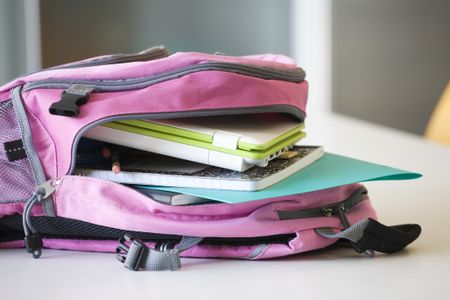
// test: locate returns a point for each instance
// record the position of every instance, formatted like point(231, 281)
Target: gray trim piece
point(32, 155)
point(295, 76)
point(354, 233)
point(26, 137)
point(257, 251)
point(188, 242)
point(182, 114)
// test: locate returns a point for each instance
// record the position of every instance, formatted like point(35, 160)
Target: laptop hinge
point(226, 140)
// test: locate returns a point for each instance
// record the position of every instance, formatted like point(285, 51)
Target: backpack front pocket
point(16, 176)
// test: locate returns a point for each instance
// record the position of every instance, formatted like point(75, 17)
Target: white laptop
point(235, 142)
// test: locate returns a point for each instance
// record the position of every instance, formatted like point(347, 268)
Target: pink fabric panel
point(273, 58)
point(83, 198)
point(219, 251)
point(17, 208)
point(306, 241)
point(188, 93)
point(5, 95)
point(81, 245)
point(13, 244)
point(109, 246)
point(142, 69)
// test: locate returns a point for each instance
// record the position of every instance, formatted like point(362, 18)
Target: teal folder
point(330, 171)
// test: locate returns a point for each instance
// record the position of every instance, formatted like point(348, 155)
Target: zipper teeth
point(295, 76)
point(281, 239)
point(355, 198)
point(198, 113)
point(47, 226)
point(332, 209)
point(247, 241)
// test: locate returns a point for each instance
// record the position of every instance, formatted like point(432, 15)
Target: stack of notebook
point(241, 153)
point(228, 159)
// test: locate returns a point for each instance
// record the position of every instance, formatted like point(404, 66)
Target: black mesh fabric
point(69, 228)
point(57, 227)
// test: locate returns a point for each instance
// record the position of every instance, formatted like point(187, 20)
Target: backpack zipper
point(296, 75)
point(336, 209)
point(33, 240)
point(60, 228)
point(147, 116)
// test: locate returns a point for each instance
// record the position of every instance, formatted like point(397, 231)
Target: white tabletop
point(420, 272)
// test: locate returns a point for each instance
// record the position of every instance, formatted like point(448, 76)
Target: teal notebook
point(329, 171)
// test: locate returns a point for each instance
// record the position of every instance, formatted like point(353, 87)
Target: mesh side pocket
point(16, 177)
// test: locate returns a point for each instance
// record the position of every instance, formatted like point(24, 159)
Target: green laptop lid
point(254, 136)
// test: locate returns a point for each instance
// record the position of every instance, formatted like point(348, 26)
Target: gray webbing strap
point(170, 259)
point(187, 242)
point(354, 233)
point(162, 260)
point(137, 256)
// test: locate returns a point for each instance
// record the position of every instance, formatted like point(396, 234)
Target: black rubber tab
point(388, 239)
point(14, 150)
point(69, 105)
point(34, 244)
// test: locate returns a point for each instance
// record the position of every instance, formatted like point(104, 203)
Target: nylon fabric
point(170, 259)
point(140, 257)
point(165, 260)
point(16, 177)
point(187, 242)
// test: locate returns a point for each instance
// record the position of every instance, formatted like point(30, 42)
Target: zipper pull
point(341, 211)
point(33, 241)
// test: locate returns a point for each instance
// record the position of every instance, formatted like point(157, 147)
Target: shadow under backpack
point(43, 115)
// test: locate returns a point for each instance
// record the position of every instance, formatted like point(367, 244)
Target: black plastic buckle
point(71, 100)
point(68, 106)
point(132, 252)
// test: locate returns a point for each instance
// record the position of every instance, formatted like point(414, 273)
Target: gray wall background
point(391, 59)
point(12, 45)
point(78, 29)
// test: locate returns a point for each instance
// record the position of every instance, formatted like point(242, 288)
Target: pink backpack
point(43, 116)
